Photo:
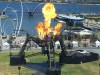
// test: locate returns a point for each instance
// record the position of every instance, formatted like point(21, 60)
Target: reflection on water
point(29, 22)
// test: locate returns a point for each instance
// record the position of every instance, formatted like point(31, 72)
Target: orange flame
point(44, 28)
point(57, 29)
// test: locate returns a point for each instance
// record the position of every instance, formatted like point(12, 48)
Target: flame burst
point(43, 28)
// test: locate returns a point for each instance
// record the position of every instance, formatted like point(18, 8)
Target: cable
point(37, 7)
point(3, 28)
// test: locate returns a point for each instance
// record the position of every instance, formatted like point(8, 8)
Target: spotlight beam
point(21, 17)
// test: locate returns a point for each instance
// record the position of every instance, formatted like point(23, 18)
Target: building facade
point(88, 1)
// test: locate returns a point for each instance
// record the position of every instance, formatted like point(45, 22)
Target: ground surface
point(90, 68)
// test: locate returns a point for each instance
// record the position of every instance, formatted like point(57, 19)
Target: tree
point(11, 38)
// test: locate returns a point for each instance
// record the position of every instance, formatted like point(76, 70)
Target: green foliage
point(11, 38)
point(96, 36)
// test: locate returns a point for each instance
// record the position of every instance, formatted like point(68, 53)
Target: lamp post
point(1, 31)
point(19, 70)
point(99, 68)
